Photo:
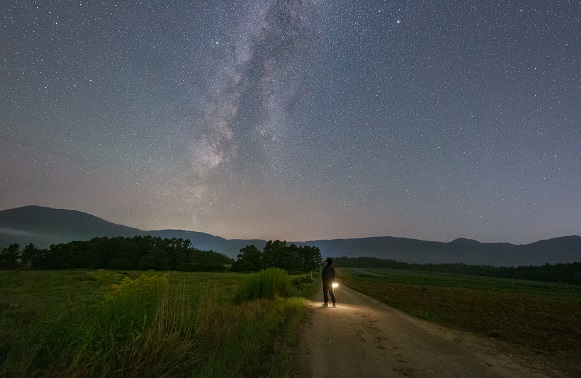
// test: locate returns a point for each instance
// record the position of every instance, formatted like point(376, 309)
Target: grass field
point(79, 323)
point(99, 323)
point(540, 315)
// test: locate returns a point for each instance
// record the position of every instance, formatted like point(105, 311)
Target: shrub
point(268, 283)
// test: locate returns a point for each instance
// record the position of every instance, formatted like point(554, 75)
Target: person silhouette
point(328, 276)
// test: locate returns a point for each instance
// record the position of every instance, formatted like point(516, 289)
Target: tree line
point(155, 253)
point(566, 273)
point(121, 253)
point(148, 252)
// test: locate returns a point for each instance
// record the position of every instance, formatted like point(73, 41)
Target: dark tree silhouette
point(140, 252)
point(9, 256)
point(278, 254)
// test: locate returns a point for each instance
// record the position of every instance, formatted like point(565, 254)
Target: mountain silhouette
point(43, 226)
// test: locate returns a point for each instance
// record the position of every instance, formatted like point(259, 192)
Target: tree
point(278, 254)
point(274, 254)
point(9, 256)
point(29, 253)
point(311, 258)
point(249, 260)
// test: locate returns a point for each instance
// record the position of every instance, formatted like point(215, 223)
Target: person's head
point(329, 261)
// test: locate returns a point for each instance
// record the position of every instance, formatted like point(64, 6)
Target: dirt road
point(362, 337)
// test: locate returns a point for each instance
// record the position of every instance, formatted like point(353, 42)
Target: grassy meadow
point(102, 323)
point(540, 315)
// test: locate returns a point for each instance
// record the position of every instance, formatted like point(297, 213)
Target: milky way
point(297, 119)
point(264, 64)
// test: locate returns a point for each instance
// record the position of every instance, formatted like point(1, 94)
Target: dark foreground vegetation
point(542, 316)
point(566, 273)
point(119, 324)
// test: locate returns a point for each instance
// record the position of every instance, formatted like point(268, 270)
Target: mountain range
point(44, 226)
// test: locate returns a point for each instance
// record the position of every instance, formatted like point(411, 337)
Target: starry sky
point(297, 119)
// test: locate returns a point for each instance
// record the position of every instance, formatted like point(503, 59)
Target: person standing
point(328, 276)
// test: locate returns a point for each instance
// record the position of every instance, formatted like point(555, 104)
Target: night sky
point(295, 119)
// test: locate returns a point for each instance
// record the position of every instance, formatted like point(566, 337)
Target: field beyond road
point(486, 319)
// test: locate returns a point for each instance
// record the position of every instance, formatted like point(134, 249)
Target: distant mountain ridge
point(44, 226)
point(553, 251)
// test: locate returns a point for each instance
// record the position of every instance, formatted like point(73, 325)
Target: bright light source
point(335, 285)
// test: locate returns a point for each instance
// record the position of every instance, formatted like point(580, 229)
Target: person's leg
point(332, 292)
point(325, 292)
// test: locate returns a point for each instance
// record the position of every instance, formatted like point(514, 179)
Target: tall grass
point(150, 324)
point(127, 330)
point(268, 283)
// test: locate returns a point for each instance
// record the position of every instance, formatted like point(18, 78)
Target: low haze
point(296, 119)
